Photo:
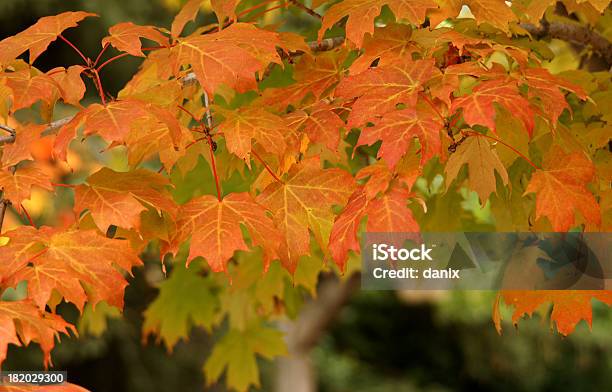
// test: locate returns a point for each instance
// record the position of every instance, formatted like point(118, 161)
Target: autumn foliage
point(356, 141)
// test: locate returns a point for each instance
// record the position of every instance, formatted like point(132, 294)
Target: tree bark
point(295, 372)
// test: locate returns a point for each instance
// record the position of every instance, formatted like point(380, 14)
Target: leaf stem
point(63, 185)
point(266, 166)
point(107, 62)
point(99, 85)
point(309, 11)
point(25, 212)
point(258, 14)
point(85, 59)
point(210, 142)
point(426, 98)
point(474, 133)
point(100, 55)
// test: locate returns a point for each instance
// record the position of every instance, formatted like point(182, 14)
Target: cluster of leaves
point(356, 141)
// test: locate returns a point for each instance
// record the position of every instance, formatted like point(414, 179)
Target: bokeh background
point(380, 341)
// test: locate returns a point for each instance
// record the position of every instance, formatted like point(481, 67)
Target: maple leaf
point(242, 125)
point(21, 149)
point(37, 37)
point(71, 86)
point(17, 186)
point(236, 351)
point(125, 37)
point(568, 307)
point(482, 161)
point(386, 214)
point(22, 321)
point(546, 88)
point(343, 236)
point(361, 15)
point(495, 12)
point(147, 139)
point(29, 86)
point(478, 107)
point(320, 122)
point(378, 178)
point(68, 261)
point(215, 228)
point(388, 45)
point(187, 14)
point(304, 201)
point(231, 56)
point(380, 90)
point(224, 9)
point(397, 130)
point(186, 299)
point(314, 75)
point(113, 122)
point(115, 198)
point(561, 189)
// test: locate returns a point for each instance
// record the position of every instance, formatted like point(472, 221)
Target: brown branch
point(318, 314)
point(575, 34)
point(309, 11)
point(189, 79)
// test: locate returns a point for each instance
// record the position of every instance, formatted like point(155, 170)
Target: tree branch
point(574, 34)
point(189, 79)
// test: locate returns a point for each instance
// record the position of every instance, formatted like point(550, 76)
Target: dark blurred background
point(381, 341)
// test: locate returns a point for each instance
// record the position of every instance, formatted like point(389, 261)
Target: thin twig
point(309, 11)
point(188, 80)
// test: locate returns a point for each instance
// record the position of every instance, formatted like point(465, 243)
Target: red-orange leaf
point(240, 126)
point(115, 198)
point(29, 86)
point(398, 129)
point(386, 214)
point(478, 106)
point(113, 122)
point(361, 15)
point(126, 36)
point(37, 37)
point(71, 86)
point(304, 201)
point(546, 87)
point(560, 189)
point(389, 44)
point(314, 76)
point(185, 15)
point(320, 122)
point(20, 150)
point(214, 228)
point(381, 89)
point(568, 307)
point(17, 186)
point(231, 56)
point(224, 9)
point(23, 321)
point(80, 265)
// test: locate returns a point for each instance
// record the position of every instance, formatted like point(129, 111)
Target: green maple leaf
point(186, 299)
point(237, 351)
